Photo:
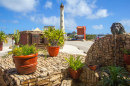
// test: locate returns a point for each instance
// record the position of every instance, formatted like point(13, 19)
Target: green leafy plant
point(16, 36)
point(126, 51)
point(3, 37)
point(74, 63)
point(24, 50)
point(113, 76)
point(54, 36)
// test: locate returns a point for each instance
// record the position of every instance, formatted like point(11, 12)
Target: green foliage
point(90, 37)
point(16, 36)
point(115, 76)
point(24, 50)
point(3, 37)
point(126, 51)
point(54, 36)
point(72, 36)
point(74, 64)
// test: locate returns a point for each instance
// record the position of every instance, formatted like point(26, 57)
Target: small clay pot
point(127, 59)
point(128, 67)
point(53, 51)
point(75, 74)
point(93, 67)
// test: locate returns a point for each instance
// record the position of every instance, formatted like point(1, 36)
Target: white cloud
point(48, 4)
point(98, 26)
point(53, 20)
point(11, 21)
point(99, 14)
point(19, 5)
point(77, 8)
point(70, 23)
point(125, 22)
point(14, 21)
point(84, 8)
point(3, 27)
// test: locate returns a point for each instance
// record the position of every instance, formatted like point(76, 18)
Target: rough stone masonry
point(102, 53)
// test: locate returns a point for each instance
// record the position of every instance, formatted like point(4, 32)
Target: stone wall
point(102, 52)
point(90, 77)
point(50, 71)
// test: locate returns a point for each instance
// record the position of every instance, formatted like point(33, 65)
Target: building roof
point(80, 27)
point(37, 29)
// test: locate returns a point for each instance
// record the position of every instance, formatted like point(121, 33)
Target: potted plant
point(55, 38)
point(113, 76)
point(16, 37)
point(75, 66)
point(25, 58)
point(126, 56)
point(3, 38)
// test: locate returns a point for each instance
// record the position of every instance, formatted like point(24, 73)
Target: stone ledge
point(50, 71)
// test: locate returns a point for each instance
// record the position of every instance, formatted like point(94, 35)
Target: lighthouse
point(62, 17)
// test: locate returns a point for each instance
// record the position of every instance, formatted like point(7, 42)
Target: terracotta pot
point(1, 46)
point(53, 51)
point(92, 67)
point(127, 59)
point(128, 67)
point(26, 64)
point(12, 38)
point(75, 74)
point(17, 45)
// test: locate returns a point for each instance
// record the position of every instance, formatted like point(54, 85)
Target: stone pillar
point(81, 32)
point(62, 17)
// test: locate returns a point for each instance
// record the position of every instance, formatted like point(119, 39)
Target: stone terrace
point(50, 71)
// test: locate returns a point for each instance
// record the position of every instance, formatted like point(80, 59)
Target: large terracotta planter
point(1, 46)
point(75, 74)
point(127, 59)
point(53, 51)
point(26, 64)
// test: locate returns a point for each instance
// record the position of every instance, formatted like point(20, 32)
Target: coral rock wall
point(102, 52)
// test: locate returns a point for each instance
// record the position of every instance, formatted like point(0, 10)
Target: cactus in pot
point(16, 36)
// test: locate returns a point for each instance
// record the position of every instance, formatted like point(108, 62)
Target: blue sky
point(96, 15)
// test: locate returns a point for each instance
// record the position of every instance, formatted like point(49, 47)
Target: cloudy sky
point(96, 15)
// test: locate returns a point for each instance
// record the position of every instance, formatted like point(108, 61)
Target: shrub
point(74, 64)
point(114, 76)
point(24, 50)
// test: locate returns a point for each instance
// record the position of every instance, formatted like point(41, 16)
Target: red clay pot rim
point(126, 54)
point(16, 43)
point(26, 56)
point(53, 46)
point(75, 70)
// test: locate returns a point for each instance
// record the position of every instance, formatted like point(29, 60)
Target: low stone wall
point(50, 71)
point(102, 52)
point(90, 77)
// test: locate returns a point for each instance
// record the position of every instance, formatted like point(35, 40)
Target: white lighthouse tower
point(62, 17)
